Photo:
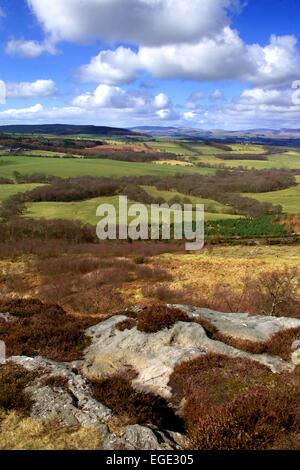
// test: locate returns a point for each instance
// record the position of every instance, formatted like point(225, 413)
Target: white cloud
point(110, 105)
point(21, 113)
point(216, 95)
point(224, 57)
point(162, 101)
point(260, 96)
point(275, 64)
point(29, 49)
point(190, 105)
point(257, 108)
point(148, 22)
point(31, 89)
point(131, 104)
point(111, 67)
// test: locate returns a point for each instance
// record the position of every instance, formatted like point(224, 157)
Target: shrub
point(140, 407)
point(44, 330)
point(275, 292)
point(13, 380)
point(127, 324)
point(56, 381)
point(158, 317)
point(235, 404)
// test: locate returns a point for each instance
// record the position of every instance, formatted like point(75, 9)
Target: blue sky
point(195, 63)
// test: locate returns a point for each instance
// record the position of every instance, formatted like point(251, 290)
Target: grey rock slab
point(155, 355)
point(137, 437)
point(242, 325)
point(6, 316)
point(75, 405)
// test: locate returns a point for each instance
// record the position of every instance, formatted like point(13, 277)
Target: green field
point(289, 198)
point(208, 155)
point(184, 148)
point(86, 210)
point(167, 195)
point(7, 190)
point(93, 167)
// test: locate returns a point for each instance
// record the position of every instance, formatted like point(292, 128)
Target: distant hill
point(284, 137)
point(66, 129)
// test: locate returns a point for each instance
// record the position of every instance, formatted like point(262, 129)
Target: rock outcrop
point(74, 405)
point(153, 356)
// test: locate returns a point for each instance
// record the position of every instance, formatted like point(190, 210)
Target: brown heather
point(44, 330)
point(138, 407)
point(13, 380)
point(237, 404)
point(153, 318)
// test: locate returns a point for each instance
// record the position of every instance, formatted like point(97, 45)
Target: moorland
point(57, 278)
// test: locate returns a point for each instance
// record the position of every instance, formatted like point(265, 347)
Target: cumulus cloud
point(258, 107)
point(21, 113)
point(275, 64)
point(224, 57)
point(35, 89)
point(29, 49)
point(260, 96)
point(131, 103)
point(111, 67)
point(148, 22)
point(110, 105)
point(216, 95)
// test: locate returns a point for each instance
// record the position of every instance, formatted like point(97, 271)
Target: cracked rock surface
point(76, 406)
point(153, 356)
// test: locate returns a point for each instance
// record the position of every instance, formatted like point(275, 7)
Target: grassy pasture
point(288, 198)
point(184, 148)
point(86, 210)
point(208, 154)
point(167, 195)
point(7, 190)
point(284, 160)
point(93, 167)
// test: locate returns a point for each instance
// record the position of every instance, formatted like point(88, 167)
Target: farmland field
point(288, 198)
point(86, 210)
point(7, 190)
point(207, 154)
point(190, 153)
point(93, 167)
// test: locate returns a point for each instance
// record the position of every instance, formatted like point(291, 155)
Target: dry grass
point(19, 433)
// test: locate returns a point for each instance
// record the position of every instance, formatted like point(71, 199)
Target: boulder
point(155, 355)
point(242, 325)
point(75, 406)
